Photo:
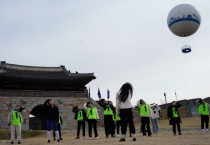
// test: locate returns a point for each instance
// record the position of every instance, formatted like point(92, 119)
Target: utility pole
point(176, 95)
point(165, 98)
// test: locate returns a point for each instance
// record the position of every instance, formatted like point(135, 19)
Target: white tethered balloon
point(183, 21)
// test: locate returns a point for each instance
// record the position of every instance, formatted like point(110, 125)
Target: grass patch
point(5, 134)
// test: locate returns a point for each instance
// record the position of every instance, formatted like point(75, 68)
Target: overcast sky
point(119, 40)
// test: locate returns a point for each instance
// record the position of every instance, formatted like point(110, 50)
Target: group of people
point(119, 117)
point(52, 115)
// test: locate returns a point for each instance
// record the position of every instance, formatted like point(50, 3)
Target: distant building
point(189, 108)
point(30, 86)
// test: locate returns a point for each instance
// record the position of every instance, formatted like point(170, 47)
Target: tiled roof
point(44, 74)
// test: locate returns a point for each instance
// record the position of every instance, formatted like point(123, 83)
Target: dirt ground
point(163, 138)
point(190, 130)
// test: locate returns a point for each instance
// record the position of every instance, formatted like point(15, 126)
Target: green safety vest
point(117, 118)
point(144, 110)
point(203, 109)
point(175, 113)
point(108, 110)
point(91, 113)
point(80, 115)
point(16, 119)
point(59, 119)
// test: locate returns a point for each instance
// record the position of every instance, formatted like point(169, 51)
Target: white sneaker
point(97, 137)
point(90, 138)
point(202, 131)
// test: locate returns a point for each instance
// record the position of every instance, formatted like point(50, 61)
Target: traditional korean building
point(30, 86)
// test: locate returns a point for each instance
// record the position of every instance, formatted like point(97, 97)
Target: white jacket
point(122, 105)
point(155, 112)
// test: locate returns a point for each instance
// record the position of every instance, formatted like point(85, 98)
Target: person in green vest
point(92, 119)
point(60, 122)
point(117, 120)
point(15, 121)
point(118, 123)
point(204, 110)
point(174, 117)
point(80, 116)
point(145, 114)
point(109, 111)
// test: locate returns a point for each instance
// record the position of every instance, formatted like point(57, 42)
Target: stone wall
point(30, 98)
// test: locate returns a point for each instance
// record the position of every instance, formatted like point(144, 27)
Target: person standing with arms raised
point(124, 110)
point(155, 117)
point(15, 122)
point(145, 114)
point(174, 116)
point(109, 112)
point(204, 110)
point(80, 116)
point(52, 117)
point(92, 119)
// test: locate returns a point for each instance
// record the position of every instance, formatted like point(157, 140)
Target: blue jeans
point(55, 125)
point(155, 127)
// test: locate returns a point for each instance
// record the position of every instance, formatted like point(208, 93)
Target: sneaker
point(97, 137)
point(113, 136)
point(77, 137)
point(122, 140)
point(58, 140)
point(12, 142)
point(180, 133)
point(89, 138)
point(48, 141)
point(134, 139)
point(19, 142)
point(207, 130)
point(118, 135)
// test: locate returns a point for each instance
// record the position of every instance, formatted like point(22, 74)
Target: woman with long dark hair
point(124, 109)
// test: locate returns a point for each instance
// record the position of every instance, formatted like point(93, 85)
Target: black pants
point(145, 121)
point(81, 123)
point(204, 120)
point(109, 125)
point(126, 116)
point(118, 124)
point(176, 123)
point(92, 123)
point(59, 131)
